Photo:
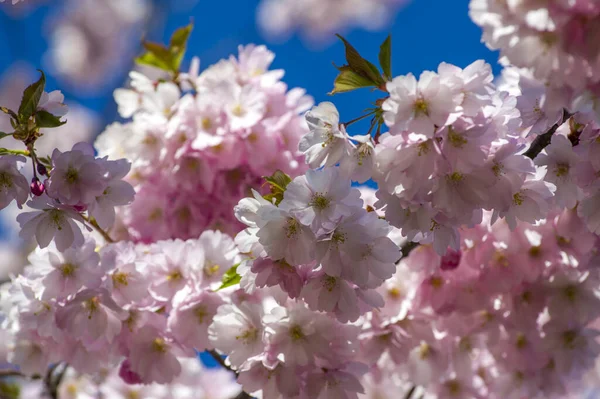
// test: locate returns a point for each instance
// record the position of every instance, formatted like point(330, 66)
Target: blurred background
point(86, 48)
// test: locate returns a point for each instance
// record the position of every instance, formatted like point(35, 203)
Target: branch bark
point(543, 140)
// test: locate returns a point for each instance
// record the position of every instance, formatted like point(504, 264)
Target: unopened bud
point(37, 187)
point(42, 169)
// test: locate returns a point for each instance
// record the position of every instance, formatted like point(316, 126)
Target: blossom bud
point(42, 169)
point(451, 260)
point(128, 375)
point(37, 187)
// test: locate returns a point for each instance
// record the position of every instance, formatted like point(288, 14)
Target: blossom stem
point(543, 140)
point(17, 152)
point(215, 355)
point(358, 119)
point(99, 229)
point(410, 392)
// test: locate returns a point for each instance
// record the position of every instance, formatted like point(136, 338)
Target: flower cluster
point(143, 307)
point(510, 314)
point(195, 382)
point(320, 18)
point(196, 154)
point(556, 42)
point(318, 243)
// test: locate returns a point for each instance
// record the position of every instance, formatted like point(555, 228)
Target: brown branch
point(543, 140)
point(99, 229)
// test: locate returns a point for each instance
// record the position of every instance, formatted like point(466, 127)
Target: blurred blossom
point(91, 40)
point(318, 19)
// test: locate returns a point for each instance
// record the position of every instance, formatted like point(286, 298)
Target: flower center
point(320, 202)
point(518, 198)
point(120, 278)
point(68, 269)
point(248, 336)
point(569, 337)
point(456, 139)
point(200, 313)
point(329, 283)
point(296, 333)
point(561, 169)
point(72, 175)
point(420, 107)
point(210, 268)
point(5, 180)
point(292, 228)
point(159, 345)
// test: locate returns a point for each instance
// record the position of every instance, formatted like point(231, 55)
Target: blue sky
point(425, 33)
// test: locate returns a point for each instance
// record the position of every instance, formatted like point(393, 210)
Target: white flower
point(51, 222)
point(560, 160)
point(13, 185)
point(327, 142)
point(284, 237)
point(420, 107)
point(238, 331)
point(320, 198)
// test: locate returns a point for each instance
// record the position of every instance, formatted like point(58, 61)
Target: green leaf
point(31, 98)
point(278, 182)
point(3, 135)
point(46, 161)
point(163, 57)
point(385, 57)
point(349, 80)
point(230, 278)
point(46, 119)
point(360, 65)
point(178, 44)
point(156, 55)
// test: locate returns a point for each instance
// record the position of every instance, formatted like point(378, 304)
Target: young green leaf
point(3, 135)
point(360, 65)
point(46, 119)
point(167, 58)
point(230, 278)
point(385, 57)
point(349, 80)
point(31, 98)
point(156, 55)
point(178, 44)
point(278, 182)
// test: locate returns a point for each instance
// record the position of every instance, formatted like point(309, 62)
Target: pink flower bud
point(451, 260)
point(127, 375)
point(37, 187)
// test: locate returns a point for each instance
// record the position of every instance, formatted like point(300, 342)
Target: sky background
point(425, 33)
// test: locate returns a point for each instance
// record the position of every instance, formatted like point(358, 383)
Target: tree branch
point(99, 229)
point(543, 140)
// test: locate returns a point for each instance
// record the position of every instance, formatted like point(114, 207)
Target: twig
point(99, 229)
point(543, 140)
point(357, 119)
point(410, 393)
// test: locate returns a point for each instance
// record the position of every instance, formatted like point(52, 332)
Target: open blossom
point(152, 356)
point(13, 185)
point(193, 311)
point(320, 197)
point(72, 269)
point(560, 161)
point(92, 317)
point(327, 142)
point(49, 222)
point(420, 106)
point(117, 193)
point(77, 177)
point(238, 331)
